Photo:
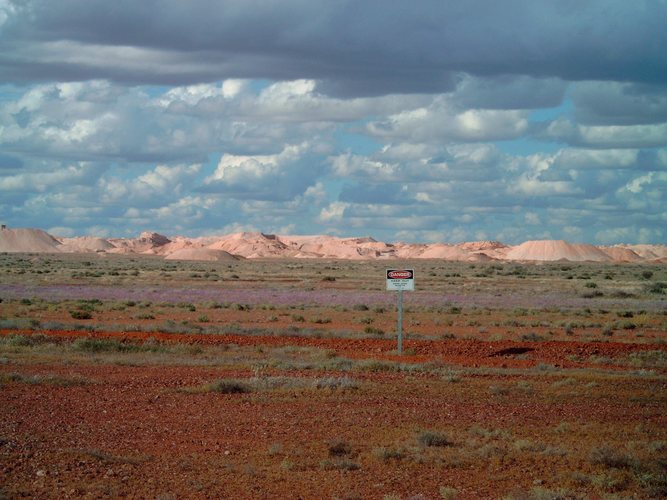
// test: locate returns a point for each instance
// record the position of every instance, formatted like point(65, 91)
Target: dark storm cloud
point(354, 48)
point(613, 103)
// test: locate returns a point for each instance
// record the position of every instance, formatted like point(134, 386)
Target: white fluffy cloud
point(441, 122)
point(549, 121)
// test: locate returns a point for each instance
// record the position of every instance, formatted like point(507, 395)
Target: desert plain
point(126, 375)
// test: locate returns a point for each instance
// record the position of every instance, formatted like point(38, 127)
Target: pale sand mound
point(85, 244)
point(479, 257)
point(206, 254)
point(178, 243)
point(147, 242)
point(492, 250)
point(621, 254)
point(480, 246)
point(551, 250)
point(254, 245)
point(27, 240)
point(331, 247)
point(649, 252)
point(444, 252)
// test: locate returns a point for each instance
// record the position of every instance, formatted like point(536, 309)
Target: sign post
point(400, 280)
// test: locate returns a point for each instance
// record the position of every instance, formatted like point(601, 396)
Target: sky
point(421, 121)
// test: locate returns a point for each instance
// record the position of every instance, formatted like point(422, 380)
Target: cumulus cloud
point(445, 120)
point(280, 176)
point(607, 136)
point(80, 174)
point(149, 189)
point(442, 122)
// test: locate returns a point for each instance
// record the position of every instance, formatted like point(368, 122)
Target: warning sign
point(401, 279)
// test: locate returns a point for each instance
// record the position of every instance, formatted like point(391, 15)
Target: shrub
point(658, 287)
point(81, 314)
point(339, 449)
point(609, 457)
point(430, 438)
point(228, 386)
point(360, 307)
point(448, 493)
point(144, 316)
point(532, 337)
point(497, 390)
point(653, 359)
point(373, 330)
point(335, 383)
point(23, 340)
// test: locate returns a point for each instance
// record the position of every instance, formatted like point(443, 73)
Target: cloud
point(619, 103)
point(350, 46)
point(80, 174)
point(280, 176)
point(334, 212)
point(149, 189)
point(9, 162)
point(509, 92)
point(607, 136)
point(442, 122)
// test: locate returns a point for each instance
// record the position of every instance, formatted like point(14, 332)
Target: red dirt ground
point(129, 432)
point(470, 353)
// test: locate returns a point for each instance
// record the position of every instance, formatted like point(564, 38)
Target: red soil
point(129, 431)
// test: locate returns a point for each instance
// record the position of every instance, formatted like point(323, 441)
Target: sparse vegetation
point(481, 394)
point(432, 438)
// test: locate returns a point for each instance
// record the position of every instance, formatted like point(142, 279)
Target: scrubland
point(134, 376)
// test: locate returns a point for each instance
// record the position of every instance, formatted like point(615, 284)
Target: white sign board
point(401, 279)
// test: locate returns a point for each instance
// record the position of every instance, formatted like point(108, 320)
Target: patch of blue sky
point(210, 165)
point(349, 138)
point(257, 86)
point(156, 90)
point(525, 146)
point(565, 110)
point(10, 93)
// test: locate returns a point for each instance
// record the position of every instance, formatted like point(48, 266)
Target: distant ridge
point(256, 245)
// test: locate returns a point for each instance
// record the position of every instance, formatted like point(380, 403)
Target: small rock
point(41, 473)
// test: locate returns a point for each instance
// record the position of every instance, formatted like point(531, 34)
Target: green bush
point(658, 287)
point(229, 387)
point(430, 438)
point(81, 314)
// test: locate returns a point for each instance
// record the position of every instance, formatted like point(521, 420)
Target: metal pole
point(400, 322)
